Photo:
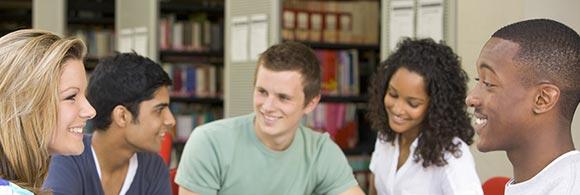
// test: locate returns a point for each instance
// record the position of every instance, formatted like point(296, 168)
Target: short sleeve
point(334, 173)
point(198, 169)
point(460, 176)
point(64, 177)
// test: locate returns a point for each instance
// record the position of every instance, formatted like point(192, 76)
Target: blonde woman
point(43, 109)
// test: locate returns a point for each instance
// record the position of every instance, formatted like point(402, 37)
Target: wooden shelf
point(199, 100)
point(91, 21)
point(211, 57)
point(318, 45)
point(185, 7)
point(15, 15)
point(91, 12)
point(94, 6)
point(343, 99)
point(16, 4)
point(175, 53)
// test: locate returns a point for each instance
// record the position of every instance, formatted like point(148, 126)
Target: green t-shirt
point(226, 157)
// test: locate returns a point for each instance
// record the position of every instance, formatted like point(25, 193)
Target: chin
point(482, 147)
point(155, 149)
point(68, 151)
point(397, 129)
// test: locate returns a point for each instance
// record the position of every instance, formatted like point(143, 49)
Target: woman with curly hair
point(423, 127)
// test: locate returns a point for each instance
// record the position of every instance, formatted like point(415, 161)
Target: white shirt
point(560, 177)
point(131, 171)
point(457, 177)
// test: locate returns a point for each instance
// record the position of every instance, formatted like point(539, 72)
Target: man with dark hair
point(131, 96)
point(527, 91)
point(269, 151)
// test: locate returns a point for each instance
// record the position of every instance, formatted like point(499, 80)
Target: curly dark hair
point(446, 85)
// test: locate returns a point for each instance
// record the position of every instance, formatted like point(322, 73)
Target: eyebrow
point(69, 88)
point(277, 94)
point(409, 98)
point(162, 105)
point(486, 66)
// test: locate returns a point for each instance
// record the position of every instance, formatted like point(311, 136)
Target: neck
point(407, 137)
point(545, 145)
point(112, 153)
point(278, 142)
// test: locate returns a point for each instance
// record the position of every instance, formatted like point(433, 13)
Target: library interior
point(210, 50)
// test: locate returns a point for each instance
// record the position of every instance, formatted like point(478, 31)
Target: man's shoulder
point(315, 137)
point(225, 127)
point(560, 177)
point(318, 144)
point(566, 164)
point(461, 156)
point(150, 159)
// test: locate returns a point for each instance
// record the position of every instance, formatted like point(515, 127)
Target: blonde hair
point(31, 63)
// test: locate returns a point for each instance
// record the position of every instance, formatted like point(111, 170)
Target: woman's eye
point(71, 97)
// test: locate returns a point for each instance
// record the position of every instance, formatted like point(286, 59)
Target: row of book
point(195, 33)
point(200, 80)
point(340, 72)
point(190, 116)
point(338, 120)
point(100, 41)
point(347, 22)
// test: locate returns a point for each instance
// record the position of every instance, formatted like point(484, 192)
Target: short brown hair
point(293, 56)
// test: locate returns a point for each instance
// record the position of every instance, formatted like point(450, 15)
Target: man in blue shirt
point(131, 96)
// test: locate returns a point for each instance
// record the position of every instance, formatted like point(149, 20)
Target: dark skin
point(520, 118)
point(406, 102)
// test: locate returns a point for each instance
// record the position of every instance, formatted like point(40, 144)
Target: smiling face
point(73, 110)
point(502, 104)
point(279, 103)
point(406, 102)
point(154, 120)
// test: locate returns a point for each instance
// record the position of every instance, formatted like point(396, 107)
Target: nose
point(472, 100)
point(268, 104)
point(169, 119)
point(87, 110)
point(395, 107)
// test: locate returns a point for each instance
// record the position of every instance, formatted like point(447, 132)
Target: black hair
point(549, 50)
point(446, 86)
point(125, 79)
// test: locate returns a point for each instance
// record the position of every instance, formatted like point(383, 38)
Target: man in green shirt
point(269, 151)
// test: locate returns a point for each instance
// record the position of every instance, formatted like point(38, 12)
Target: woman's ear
point(546, 98)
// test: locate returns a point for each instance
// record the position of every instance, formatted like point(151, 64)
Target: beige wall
point(49, 15)
point(476, 21)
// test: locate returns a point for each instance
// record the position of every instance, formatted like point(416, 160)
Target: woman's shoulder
point(462, 154)
point(7, 187)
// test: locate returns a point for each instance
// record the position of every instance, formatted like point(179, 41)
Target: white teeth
point(162, 134)
point(398, 119)
point(480, 121)
point(76, 130)
point(270, 118)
